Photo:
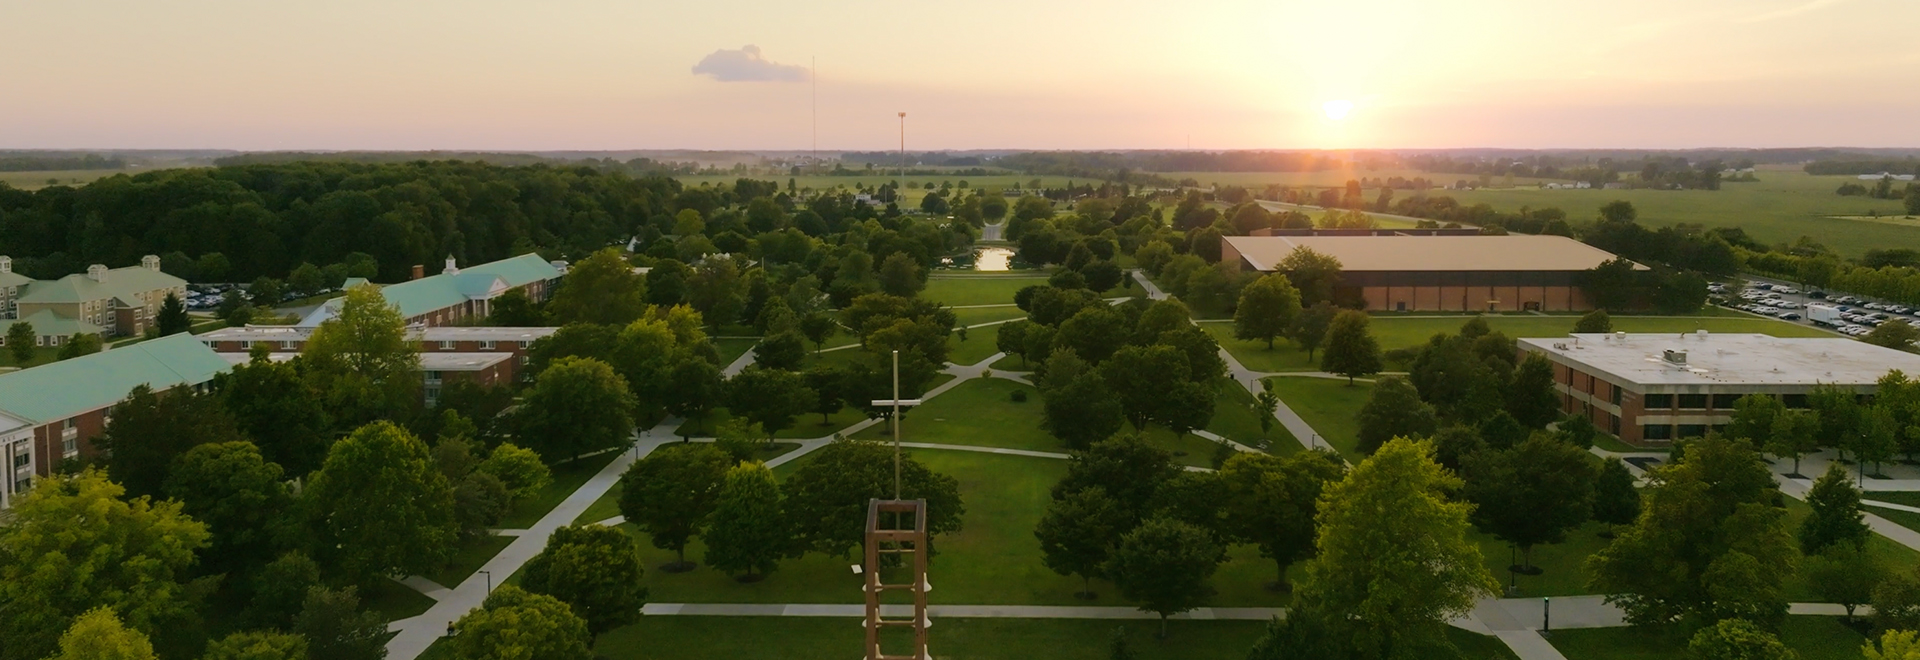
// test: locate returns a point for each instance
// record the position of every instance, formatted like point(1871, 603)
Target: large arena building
point(1408, 273)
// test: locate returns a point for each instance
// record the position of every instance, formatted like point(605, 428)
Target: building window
point(1659, 401)
point(1724, 401)
point(289, 345)
point(446, 346)
point(21, 460)
point(523, 343)
point(486, 345)
point(1616, 395)
point(22, 485)
point(433, 376)
point(1693, 401)
point(1693, 430)
point(1795, 401)
point(1613, 424)
point(1656, 432)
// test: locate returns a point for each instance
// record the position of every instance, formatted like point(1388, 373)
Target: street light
point(489, 575)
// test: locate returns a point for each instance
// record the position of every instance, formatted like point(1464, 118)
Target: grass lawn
point(41, 355)
point(472, 554)
point(993, 560)
point(1907, 519)
point(979, 315)
point(979, 412)
point(1234, 418)
point(567, 477)
point(1327, 405)
point(1254, 355)
point(1012, 363)
point(394, 601)
point(976, 290)
point(1562, 565)
point(1813, 637)
point(1897, 558)
point(979, 345)
point(732, 349)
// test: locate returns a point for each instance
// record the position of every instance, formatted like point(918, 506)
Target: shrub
point(1019, 396)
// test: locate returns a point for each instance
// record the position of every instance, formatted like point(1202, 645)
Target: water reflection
point(993, 258)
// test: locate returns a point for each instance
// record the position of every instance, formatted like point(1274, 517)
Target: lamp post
point(1546, 616)
point(489, 575)
point(903, 146)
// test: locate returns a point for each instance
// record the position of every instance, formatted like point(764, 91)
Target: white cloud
point(746, 65)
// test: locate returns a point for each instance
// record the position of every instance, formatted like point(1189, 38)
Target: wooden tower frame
point(907, 534)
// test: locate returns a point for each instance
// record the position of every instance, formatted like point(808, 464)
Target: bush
point(1019, 396)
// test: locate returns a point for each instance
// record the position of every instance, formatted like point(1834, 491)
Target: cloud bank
point(746, 65)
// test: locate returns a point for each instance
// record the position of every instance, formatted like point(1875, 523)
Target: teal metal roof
point(120, 283)
point(48, 324)
point(53, 392)
point(14, 279)
point(427, 294)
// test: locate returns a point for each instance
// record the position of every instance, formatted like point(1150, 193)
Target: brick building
point(1652, 389)
point(1407, 272)
point(106, 301)
point(459, 293)
point(58, 409)
point(484, 355)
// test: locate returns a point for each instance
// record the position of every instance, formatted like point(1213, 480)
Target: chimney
point(6, 265)
point(97, 273)
point(150, 262)
point(419, 271)
point(452, 268)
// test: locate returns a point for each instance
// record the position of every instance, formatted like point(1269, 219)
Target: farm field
point(34, 180)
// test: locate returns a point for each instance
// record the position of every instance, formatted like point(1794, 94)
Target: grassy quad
point(1329, 406)
point(961, 291)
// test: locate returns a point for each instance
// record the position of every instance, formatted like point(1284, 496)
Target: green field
point(38, 179)
point(731, 349)
point(976, 290)
point(471, 555)
point(1813, 637)
point(1782, 206)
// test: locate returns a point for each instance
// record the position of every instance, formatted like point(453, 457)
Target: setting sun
point(1338, 109)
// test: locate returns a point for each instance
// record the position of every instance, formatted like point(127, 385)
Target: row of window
point(1717, 401)
point(1677, 431)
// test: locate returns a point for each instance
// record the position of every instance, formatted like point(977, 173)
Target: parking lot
point(1851, 315)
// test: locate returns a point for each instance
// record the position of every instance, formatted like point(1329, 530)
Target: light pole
point(489, 575)
point(903, 146)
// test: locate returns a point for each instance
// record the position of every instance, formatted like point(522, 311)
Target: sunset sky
point(732, 74)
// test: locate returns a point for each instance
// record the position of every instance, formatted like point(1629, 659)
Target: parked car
point(1789, 316)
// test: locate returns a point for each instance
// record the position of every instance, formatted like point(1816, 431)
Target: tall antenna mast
point(815, 65)
point(903, 146)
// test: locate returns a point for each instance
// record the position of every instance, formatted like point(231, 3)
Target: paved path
point(415, 634)
point(1247, 378)
point(740, 364)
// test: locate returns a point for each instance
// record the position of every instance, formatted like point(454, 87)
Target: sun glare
point(1338, 109)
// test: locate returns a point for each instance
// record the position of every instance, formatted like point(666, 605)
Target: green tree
point(602, 289)
point(716, 289)
point(1706, 519)
point(73, 544)
point(593, 569)
point(172, 319)
point(514, 624)
point(771, 398)
point(1533, 493)
point(1615, 500)
point(576, 406)
point(1595, 321)
point(1531, 398)
point(99, 635)
point(1082, 411)
point(900, 276)
point(362, 361)
point(239, 495)
point(693, 387)
point(1845, 574)
point(279, 409)
point(1310, 326)
point(336, 628)
point(258, 645)
point(265, 292)
point(1140, 377)
point(514, 309)
point(81, 343)
point(827, 497)
point(1897, 334)
point(1737, 639)
point(670, 492)
point(1272, 501)
point(1130, 470)
point(1165, 566)
point(747, 531)
point(20, 341)
point(1895, 644)
point(781, 350)
point(1351, 348)
point(1393, 410)
point(1836, 516)
point(279, 589)
point(519, 469)
point(1266, 310)
point(1077, 533)
point(1392, 553)
point(379, 506)
point(1314, 274)
point(818, 328)
point(306, 279)
point(1754, 416)
point(150, 429)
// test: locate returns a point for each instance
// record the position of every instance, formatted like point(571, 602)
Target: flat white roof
point(429, 361)
point(293, 333)
point(1514, 252)
point(1727, 359)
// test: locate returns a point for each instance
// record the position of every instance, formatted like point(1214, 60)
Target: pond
point(986, 259)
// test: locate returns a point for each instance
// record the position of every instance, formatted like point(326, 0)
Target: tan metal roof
point(1428, 253)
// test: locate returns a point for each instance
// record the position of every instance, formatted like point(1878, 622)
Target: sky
point(985, 74)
